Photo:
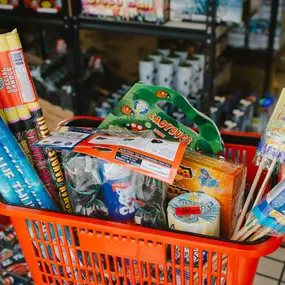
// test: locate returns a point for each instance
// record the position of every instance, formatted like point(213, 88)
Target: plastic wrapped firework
point(84, 183)
point(152, 202)
point(270, 151)
point(111, 191)
point(29, 96)
point(269, 214)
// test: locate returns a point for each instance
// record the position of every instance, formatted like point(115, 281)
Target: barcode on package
point(17, 58)
point(73, 135)
point(26, 88)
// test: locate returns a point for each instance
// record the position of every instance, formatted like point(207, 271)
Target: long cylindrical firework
point(29, 97)
point(12, 99)
point(9, 88)
point(19, 159)
point(13, 174)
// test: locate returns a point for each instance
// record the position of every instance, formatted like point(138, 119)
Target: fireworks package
point(13, 267)
point(118, 175)
point(110, 191)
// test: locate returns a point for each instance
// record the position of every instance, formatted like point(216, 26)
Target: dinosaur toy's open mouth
point(135, 127)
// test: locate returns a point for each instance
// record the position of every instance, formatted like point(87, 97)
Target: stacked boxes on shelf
point(155, 11)
point(196, 10)
point(47, 6)
point(259, 26)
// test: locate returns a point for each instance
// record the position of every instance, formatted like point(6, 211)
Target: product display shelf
point(71, 21)
point(19, 16)
point(265, 56)
point(184, 30)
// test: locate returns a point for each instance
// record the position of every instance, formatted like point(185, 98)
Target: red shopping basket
point(68, 249)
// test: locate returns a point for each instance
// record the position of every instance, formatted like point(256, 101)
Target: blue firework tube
point(6, 189)
point(16, 181)
point(20, 160)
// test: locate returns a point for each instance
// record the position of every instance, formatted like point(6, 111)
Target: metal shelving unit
point(72, 22)
point(265, 57)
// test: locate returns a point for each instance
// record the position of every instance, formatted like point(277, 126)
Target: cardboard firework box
point(155, 11)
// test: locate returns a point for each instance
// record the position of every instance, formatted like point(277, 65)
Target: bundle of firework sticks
point(267, 215)
point(21, 111)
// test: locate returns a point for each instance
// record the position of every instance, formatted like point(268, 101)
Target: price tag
point(183, 211)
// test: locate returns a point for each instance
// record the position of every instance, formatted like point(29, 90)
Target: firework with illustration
point(206, 221)
point(267, 217)
point(270, 152)
point(270, 212)
point(217, 178)
point(47, 163)
point(138, 111)
point(20, 163)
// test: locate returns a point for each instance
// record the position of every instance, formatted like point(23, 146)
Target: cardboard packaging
point(228, 11)
point(220, 179)
point(155, 11)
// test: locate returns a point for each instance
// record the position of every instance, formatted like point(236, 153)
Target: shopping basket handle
point(122, 246)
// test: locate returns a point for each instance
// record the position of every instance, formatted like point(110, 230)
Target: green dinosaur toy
point(138, 111)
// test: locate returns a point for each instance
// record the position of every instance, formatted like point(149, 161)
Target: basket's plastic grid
point(64, 249)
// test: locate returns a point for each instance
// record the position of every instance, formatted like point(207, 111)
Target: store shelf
point(253, 56)
point(181, 30)
point(29, 17)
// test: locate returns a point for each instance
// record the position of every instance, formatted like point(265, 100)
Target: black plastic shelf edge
point(37, 18)
point(141, 28)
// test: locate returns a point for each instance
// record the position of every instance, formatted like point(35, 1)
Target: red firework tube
point(9, 88)
point(29, 97)
point(22, 125)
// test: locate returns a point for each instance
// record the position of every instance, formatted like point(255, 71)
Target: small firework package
point(270, 212)
point(9, 4)
point(14, 269)
point(222, 180)
point(111, 191)
point(271, 145)
point(138, 110)
point(118, 175)
point(46, 6)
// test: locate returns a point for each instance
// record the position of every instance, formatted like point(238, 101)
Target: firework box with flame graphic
point(222, 180)
point(138, 110)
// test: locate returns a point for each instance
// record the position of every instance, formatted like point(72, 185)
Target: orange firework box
point(222, 180)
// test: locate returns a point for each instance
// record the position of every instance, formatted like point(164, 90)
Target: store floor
point(271, 269)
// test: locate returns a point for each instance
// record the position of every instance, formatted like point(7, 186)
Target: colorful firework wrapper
point(13, 175)
point(39, 157)
point(17, 87)
point(7, 191)
point(272, 143)
point(52, 158)
point(29, 175)
point(14, 268)
point(9, 94)
point(270, 212)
